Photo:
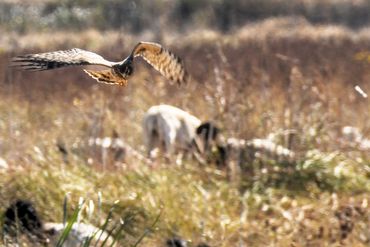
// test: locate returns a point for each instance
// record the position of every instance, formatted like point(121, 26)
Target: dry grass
point(274, 75)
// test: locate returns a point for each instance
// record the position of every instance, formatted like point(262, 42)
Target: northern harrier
point(167, 63)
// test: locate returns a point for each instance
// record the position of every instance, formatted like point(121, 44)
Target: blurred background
point(139, 16)
point(259, 68)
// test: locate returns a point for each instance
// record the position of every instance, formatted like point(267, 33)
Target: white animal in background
point(169, 129)
point(175, 131)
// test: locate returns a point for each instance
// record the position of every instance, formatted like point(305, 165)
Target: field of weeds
point(270, 76)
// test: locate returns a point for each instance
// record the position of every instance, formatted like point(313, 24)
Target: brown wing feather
point(57, 59)
point(107, 77)
point(167, 63)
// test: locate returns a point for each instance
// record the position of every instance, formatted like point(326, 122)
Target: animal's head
point(206, 135)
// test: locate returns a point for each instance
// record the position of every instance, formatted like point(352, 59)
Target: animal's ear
point(209, 129)
point(201, 128)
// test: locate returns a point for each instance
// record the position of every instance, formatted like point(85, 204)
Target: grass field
point(282, 73)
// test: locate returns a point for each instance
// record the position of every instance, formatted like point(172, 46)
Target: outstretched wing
point(58, 59)
point(167, 63)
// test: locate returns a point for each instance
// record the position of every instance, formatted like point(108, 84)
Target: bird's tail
point(106, 76)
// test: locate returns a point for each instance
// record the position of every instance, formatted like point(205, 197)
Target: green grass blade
point(148, 230)
point(118, 233)
point(69, 226)
point(105, 225)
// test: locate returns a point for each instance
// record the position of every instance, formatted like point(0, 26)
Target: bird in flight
point(164, 61)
